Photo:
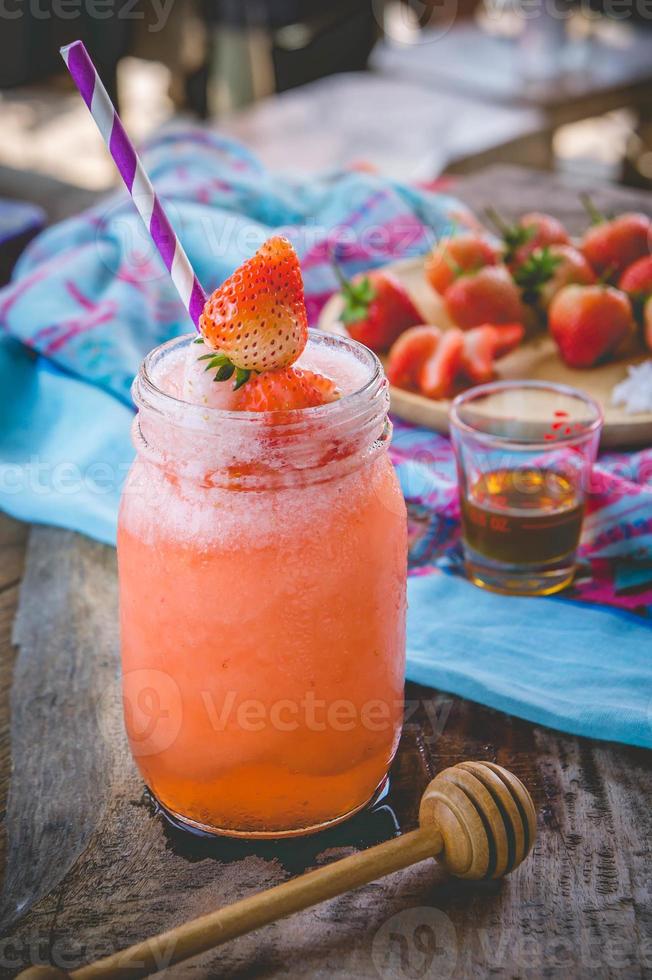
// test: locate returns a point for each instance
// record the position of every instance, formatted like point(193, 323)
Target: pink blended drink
point(262, 576)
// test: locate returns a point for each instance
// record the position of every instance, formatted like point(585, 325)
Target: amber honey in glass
point(524, 452)
point(519, 516)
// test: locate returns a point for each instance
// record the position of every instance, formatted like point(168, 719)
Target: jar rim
point(147, 393)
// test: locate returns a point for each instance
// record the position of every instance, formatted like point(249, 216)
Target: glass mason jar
point(262, 562)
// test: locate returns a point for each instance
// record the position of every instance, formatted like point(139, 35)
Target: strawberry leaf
point(596, 217)
point(513, 235)
point(241, 378)
point(217, 362)
point(357, 295)
point(225, 372)
point(363, 291)
point(353, 312)
point(535, 272)
point(214, 356)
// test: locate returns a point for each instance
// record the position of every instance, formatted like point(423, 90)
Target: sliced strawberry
point(377, 309)
point(430, 361)
point(507, 337)
point(409, 353)
point(285, 389)
point(477, 360)
point(256, 320)
point(483, 345)
point(452, 256)
point(439, 373)
point(487, 296)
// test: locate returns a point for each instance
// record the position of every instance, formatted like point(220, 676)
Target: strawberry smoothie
point(262, 565)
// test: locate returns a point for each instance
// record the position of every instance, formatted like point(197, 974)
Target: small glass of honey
point(525, 452)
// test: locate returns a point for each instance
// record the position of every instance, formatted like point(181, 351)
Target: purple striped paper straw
point(96, 97)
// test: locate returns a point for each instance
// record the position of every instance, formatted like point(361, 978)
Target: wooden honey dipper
point(477, 817)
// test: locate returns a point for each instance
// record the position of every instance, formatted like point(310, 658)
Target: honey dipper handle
point(251, 913)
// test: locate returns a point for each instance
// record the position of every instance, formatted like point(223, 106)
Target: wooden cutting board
point(536, 359)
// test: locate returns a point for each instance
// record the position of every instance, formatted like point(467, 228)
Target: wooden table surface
point(611, 70)
point(343, 118)
point(91, 867)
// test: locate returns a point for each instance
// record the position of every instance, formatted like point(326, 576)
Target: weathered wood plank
point(8, 605)
point(66, 630)
point(13, 537)
point(579, 907)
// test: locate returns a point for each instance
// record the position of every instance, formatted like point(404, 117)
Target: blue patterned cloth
point(583, 669)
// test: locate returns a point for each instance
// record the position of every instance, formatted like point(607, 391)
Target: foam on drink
point(202, 455)
point(184, 375)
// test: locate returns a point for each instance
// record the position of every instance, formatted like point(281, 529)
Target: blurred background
point(420, 89)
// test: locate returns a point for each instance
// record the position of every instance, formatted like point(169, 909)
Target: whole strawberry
point(532, 231)
point(636, 281)
point(487, 296)
point(453, 256)
point(588, 323)
point(611, 246)
point(256, 320)
point(549, 269)
point(377, 309)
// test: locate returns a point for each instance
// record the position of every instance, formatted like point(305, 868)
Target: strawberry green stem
point(497, 221)
point(596, 217)
point(224, 372)
point(225, 368)
point(344, 283)
point(513, 235)
point(241, 378)
point(357, 295)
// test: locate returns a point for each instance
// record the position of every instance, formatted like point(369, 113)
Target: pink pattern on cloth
point(51, 339)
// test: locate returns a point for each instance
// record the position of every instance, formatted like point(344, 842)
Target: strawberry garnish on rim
point(285, 389)
point(256, 320)
point(256, 326)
